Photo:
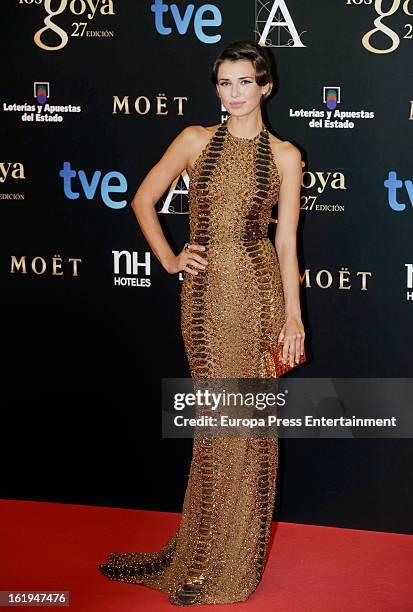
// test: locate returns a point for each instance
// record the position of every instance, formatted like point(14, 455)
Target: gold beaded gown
point(231, 316)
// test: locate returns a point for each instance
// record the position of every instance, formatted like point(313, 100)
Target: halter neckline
point(243, 138)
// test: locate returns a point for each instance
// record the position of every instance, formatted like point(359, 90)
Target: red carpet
point(49, 546)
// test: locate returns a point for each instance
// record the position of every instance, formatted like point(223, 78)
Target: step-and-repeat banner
point(93, 92)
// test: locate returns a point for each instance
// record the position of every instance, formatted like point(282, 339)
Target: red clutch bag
point(280, 367)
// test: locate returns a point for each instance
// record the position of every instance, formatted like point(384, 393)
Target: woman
point(239, 297)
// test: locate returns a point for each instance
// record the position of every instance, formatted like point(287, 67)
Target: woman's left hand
point(292, 336)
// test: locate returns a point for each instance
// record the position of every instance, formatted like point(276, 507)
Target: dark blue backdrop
point(89, 102)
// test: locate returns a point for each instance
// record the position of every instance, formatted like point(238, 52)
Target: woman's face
point(237, 87)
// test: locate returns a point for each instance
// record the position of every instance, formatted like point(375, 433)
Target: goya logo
point(382, 33)
point(182, 20)
point(86, 9)
point(77, 184)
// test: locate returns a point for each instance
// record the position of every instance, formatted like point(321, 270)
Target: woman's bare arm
point(156, 182)
point(292, 334)
point(286, 234)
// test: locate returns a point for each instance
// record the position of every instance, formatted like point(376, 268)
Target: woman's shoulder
point(282, 145)
point(285, 150)
point(198, 134)
point(202, 131)
point(286, 154)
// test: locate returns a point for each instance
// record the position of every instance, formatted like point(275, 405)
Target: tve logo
point(112, 182)
point(182, 22)
point(393, 184)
